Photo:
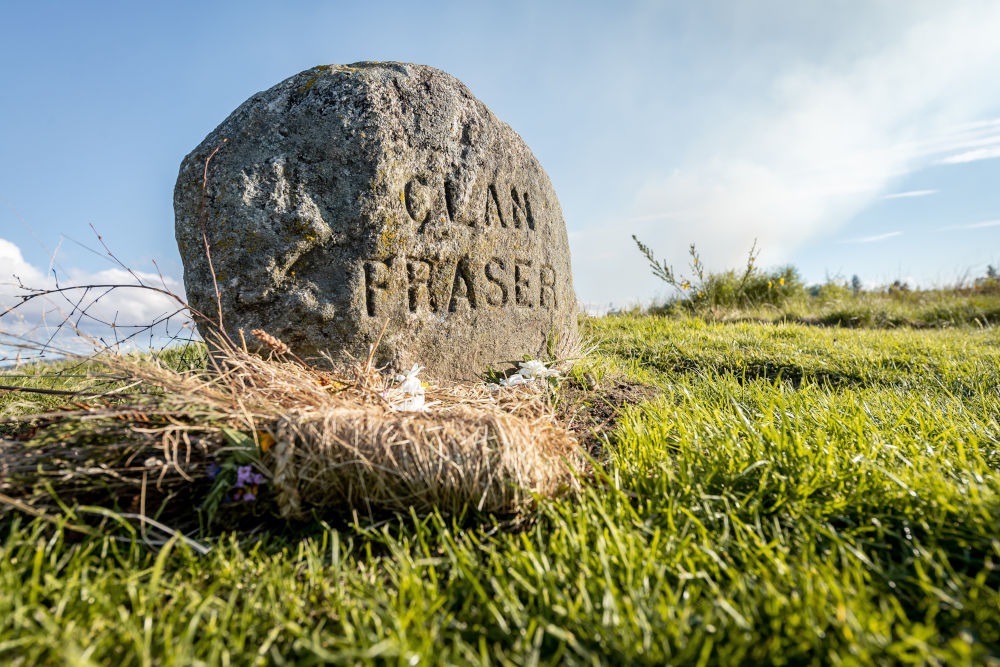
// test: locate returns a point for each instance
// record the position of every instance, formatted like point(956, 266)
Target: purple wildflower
point(244, 476)
point(213, 470)
point(249, 495)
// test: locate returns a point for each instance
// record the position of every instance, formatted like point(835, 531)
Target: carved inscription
point(451, 199)
point(376, 284)
point(520, 209)
point(522, 282)
point(496, 295)
point(521, 212)
point(500, 207)
point(463, 290)
point(415, 195)
point(547, 287)
point(430, 283)
point(493, 213)
point(427, 285)
point(419, 284)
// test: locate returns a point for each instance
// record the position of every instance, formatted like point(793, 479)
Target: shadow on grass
point(772, 371)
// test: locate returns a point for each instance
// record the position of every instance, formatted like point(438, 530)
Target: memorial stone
point(348, 196)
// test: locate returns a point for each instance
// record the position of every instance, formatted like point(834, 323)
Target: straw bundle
point(449, 459)
point(338, 445)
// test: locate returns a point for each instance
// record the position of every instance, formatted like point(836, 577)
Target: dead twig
point(204, 234)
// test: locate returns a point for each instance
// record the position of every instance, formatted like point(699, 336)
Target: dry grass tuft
point(277, 346)
point(325, 442)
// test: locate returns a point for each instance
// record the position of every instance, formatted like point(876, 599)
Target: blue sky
point(795, 123)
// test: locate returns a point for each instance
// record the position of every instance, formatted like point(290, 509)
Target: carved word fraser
point(497, 206)
point(442, 286)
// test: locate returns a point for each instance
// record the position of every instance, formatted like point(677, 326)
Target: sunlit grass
point(792, 494)
point(837, 306)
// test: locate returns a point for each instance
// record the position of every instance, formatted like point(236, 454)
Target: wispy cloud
point(910, 193)
point(972, 225)
point(828, 139)
point(873, 239)
point(973, 156)
point(962, 137)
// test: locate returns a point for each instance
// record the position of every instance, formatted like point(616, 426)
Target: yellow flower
point(769, 284)
point(265, 439)
point(782, 281)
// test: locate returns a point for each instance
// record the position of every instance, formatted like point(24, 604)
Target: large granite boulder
point(346, 196)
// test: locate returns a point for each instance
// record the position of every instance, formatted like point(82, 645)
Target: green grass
point(793, 494)
point(835, 305)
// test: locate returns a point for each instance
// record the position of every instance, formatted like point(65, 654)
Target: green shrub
point(746, 288)
point(832, 292)
point(988, 284)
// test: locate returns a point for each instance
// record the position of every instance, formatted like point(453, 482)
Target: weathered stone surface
point(348, 195)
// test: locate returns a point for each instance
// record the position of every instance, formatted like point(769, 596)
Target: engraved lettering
point(463, 287)
point(522, 282)
point(376, 284)
point(416, 195)
point(423, 204)
point(451, 200)
point(521, 211)
point(419, 277)
point(495, 270)
point(493, 210)
point(527, 211)
point(547, 287)
point(422, 284)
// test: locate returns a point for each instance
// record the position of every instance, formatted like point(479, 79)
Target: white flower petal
point(536, 369)
point(516, 379)
point(412, 404)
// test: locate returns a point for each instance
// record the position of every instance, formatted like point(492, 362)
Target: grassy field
point(788, 494)
point(835, 305)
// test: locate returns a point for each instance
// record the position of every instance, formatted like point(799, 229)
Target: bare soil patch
point(592, 414)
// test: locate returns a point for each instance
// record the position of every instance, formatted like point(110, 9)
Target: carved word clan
point(498, 206)
point(443, 286)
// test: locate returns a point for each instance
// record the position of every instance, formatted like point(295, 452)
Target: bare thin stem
point(49, 392)
point(112, 255)
point(204, 235)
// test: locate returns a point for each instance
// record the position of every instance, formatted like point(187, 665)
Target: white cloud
point(910, 193)
point(972, 225)
point(973, 156)
point(874, 239)
point(14, 265)
point(826, 140)
point(88, 312)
